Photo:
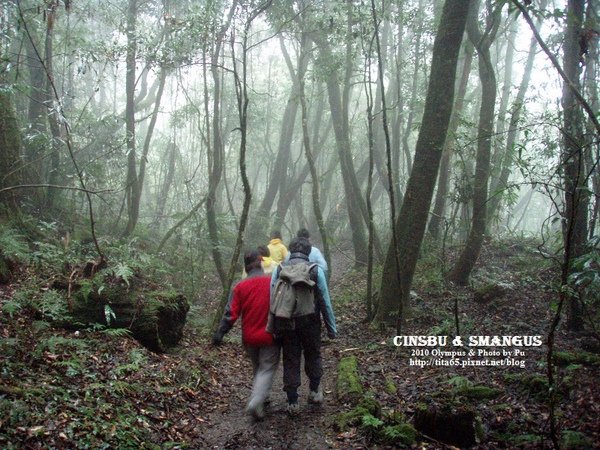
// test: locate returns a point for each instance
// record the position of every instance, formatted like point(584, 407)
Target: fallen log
point(155, 317)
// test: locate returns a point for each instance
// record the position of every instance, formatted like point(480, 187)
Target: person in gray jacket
point(305, 337)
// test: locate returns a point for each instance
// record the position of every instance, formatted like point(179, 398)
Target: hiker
point(276, 248)
point(250, 300)
point(315, 254)
point(267, 263)
point(300, 331)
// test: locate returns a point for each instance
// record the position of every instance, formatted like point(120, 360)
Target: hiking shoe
point(316, 397)
point(293, 409)
point(257, 412)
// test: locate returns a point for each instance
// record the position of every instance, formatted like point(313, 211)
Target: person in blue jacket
point(315, 254)
point(305, 337)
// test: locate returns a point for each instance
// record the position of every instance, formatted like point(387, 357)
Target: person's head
point(303, 233)
point(264, 251)
point(275, 234)
point(252, 260)
point(300, 245)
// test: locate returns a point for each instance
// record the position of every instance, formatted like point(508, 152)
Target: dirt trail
point(230, 427)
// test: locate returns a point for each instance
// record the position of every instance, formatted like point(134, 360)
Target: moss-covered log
point(349, 387)
point(155, 318)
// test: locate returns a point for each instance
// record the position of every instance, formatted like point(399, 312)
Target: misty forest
point(443, 155)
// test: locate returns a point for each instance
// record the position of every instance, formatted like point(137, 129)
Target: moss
point(572, 440)
point(368, 406)
point(390, 386)
point(535, 385)
point(349, 387)
point(577, 357)
point(478, 392)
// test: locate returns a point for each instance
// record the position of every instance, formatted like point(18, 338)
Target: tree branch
point(586, 106)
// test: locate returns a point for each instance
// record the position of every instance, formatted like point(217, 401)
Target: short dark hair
point(251, 260)
point(303, 233)
point(300, 245)
point(263, 250)
point(275, 234)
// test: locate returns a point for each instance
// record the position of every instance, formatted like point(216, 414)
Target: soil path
point(230, 427)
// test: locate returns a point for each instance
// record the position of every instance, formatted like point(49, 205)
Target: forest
point(444, 156)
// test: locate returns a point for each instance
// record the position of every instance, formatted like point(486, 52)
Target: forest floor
point(97, 389)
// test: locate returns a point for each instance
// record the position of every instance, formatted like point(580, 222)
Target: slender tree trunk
point(574, 175)
point(53, 108)
point(172, 154)
point(412, 219)
point(461, 271)
point(443, 185)
point(132, 212)
point(242, 97)
point(506, 158)
point(216, 156)
point(350, 182)
point(413, 101)
point(278, 176)
point(312, 166)
point(10, 152)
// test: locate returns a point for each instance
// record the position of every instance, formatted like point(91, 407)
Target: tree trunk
point(412, 219)
point(172, 154)
point(574, 176)
point(52, 104)
point(461, 271)
point(443, 184)
point(313, 169)
point(215, 155)
point(259, 231)
point(505, 159)
point(10, 153)
point(340, 127)
point(130, 187)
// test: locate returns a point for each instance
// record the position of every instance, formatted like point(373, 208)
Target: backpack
point(293, 296)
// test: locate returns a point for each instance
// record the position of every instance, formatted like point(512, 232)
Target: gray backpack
point(292, 297)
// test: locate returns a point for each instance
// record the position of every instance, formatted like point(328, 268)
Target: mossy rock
point(155, 318)
point(349, 387)
point(449, 424)
point(578, 357)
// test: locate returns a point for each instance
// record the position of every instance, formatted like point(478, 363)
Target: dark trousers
point(306, 337)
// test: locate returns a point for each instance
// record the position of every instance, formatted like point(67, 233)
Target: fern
point(54, 306)
point(371, 422)
point(11, 307)
point(460, 382)
point(117, 332)
point(13, 245)
point(124, 272)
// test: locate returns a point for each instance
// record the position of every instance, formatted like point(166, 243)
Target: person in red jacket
point(250, 300)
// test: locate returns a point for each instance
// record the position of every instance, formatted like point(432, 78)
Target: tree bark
point(506, 158)
point(443, 184)
point(412, 219)
point(132, 212)
point(215, 155)
point(461, 271)
point(574, 175)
